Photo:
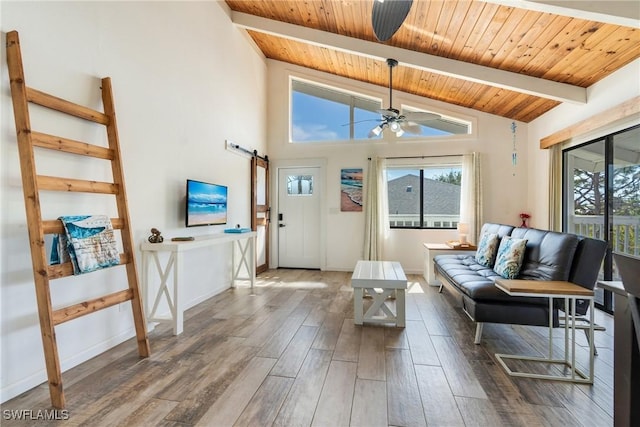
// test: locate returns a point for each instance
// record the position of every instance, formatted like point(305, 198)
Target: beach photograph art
point(351, 190)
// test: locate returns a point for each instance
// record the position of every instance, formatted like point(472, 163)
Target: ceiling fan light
point(395, 127)
point(399, 132)
point(377, 130)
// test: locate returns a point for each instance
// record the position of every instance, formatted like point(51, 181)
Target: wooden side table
point(570, 292)
point(433, 249)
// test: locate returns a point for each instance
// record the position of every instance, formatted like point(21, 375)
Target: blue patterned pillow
point(487, 249)
point(510, 256)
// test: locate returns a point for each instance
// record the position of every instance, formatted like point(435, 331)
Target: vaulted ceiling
point(513, 58)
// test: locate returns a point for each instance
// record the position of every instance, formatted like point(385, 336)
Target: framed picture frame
point(351, 190)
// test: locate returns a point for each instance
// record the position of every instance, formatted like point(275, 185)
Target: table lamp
point(463, 232)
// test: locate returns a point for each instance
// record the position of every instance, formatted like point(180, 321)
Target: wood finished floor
point(292, 356)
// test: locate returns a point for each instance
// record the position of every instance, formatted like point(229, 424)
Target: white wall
point(185, 79)
point(614, 90)
point(505, 187)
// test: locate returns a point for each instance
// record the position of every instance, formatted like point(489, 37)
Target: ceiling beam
point(616, 12)
point(548, 89)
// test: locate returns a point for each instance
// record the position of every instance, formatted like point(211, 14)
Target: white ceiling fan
point(400, 123)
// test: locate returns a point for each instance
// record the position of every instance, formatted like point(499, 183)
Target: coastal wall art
point(351, 190)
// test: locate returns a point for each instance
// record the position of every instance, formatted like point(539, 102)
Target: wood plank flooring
point(290, 355)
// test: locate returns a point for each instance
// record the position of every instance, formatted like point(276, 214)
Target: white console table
point(245, 242)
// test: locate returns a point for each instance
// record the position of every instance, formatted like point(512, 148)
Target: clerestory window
point(323, 113)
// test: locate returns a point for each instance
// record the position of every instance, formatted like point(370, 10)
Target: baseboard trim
point(40, 377)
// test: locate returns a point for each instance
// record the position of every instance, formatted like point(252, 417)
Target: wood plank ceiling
point(553, 48)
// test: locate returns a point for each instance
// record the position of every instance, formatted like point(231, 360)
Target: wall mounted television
point(206, 203)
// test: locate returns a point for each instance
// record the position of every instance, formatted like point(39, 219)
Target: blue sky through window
point(320, 113)
point(317, 119)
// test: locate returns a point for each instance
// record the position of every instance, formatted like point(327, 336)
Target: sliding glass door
point(601, 197)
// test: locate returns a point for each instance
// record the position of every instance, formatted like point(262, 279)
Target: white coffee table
point(367, 278)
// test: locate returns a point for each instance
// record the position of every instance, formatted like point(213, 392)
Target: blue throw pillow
point(510, 256)
point(487, 249)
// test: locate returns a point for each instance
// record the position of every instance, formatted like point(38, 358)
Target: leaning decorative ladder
point(32, 184)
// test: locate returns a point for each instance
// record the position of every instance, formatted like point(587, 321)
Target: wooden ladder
point(32, 184)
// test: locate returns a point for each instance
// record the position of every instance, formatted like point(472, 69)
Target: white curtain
point(471, 195)
point(376, 213)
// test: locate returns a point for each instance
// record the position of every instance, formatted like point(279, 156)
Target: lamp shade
point(463, 231)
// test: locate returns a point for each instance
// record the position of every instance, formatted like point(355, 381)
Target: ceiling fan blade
point(388, 112)
point(360, 121)
point(420, 116)
point(388, 16)
point(411, 127)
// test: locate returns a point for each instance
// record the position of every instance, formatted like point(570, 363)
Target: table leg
point(592, 344)
point(252, 263)
point(145, 283)
point(573, 338)
point(576, 375)
point(178, 315)
point(358, 305)
point(566, 330)
point(234, 271)
point(400, 308)
point(246, 259)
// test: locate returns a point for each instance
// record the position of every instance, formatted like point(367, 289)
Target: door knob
point(281, 225)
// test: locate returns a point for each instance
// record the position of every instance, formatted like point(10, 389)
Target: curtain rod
point(420, 157)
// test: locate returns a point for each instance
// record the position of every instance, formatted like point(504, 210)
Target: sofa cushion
point(500, 229)
point(487, 249)
point(477, 281)
point(549, 254)
point(510, 256)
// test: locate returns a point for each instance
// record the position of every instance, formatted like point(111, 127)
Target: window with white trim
point(323, 113)
point(424, 196)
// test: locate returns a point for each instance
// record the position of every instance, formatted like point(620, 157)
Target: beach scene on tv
point(206, 203)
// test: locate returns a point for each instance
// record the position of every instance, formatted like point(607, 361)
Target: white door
point(299, 217)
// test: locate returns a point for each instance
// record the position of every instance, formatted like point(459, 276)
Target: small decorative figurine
point(155, 236)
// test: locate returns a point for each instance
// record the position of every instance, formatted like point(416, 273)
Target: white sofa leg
point(478, 332)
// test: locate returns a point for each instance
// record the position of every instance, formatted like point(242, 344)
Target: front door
point(299, 217)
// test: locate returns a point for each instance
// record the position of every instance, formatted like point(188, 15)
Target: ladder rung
point(55, 183)
point(54, 226)
point(78, 310)
point(64, 106)
point(58, 271)
point(51, 142)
